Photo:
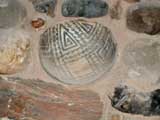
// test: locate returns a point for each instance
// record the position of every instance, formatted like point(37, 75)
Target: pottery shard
point(144, 17)
point(84, 8)
point(14, 50)
point(77, 51)
point(38, 100)
point(45, 6)
point(12, 13)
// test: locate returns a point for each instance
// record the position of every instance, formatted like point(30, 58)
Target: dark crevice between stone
point(129, 100)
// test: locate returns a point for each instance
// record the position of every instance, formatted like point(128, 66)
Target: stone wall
point(80, 60)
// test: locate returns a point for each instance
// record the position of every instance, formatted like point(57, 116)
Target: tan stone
point(14, 50)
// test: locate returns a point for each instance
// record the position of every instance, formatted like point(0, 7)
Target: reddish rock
point(38, 23)
point(38, 100)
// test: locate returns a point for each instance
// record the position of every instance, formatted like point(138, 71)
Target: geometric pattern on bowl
point(77, 51)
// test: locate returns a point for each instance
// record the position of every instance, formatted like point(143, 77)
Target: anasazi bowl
point(77, 51)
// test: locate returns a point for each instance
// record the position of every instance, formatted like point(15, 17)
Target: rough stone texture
point(117, 74)
point(130, 100)
point(12, 13)
point(37, 100)
point(84, 8)
point(116, 10)
point(144, 17)
point(77, 52)
point(4, 3)
point(132, 1)
point(45, 6)
point(14, 50)
point(143, 56)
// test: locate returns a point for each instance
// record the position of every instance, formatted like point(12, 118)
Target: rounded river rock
point(84, 8)
point(144, 17)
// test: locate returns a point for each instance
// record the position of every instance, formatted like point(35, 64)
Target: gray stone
point(129, 100)
point(12, 13)
point(84, 8)
point(4, 3)
point(45, 6)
